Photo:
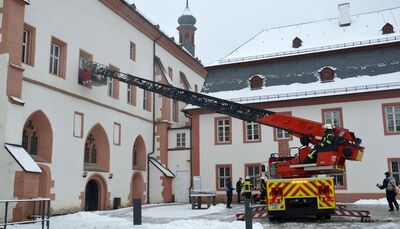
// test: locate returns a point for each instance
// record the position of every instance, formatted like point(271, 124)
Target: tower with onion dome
point(187, 29)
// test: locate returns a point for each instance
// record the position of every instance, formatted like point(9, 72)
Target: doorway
point(92, 196)
point(182, 185)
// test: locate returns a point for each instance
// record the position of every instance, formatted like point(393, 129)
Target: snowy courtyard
point(168, 216)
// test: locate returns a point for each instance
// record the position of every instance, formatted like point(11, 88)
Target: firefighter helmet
point(327, 126)
point(247, 178)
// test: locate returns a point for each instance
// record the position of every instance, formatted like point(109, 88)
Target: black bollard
point(247, 212)
point(137, 212)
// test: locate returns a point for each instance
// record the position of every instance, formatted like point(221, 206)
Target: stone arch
point(103, 195)
point(96, 150)
point(138, 187)
point(37, 137)
point(139, 154)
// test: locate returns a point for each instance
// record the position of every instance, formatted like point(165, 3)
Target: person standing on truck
point(263, 191)
point(325, 144)
point(229, 190)
point(247, 187)
point(389, 183)
point(239, 186)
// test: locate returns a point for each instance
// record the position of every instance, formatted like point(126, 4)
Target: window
point(90, 150)
point(394, 168)
point(146, 100)
point(391, 116)
point(30, 140)
point(223, 173)
point(280, 134)
point(196, 88)
point(332, 116)
point(134, 158)
point(254, 172)
point(78, 125)
point(223, 130)
point(180, 139)
point(252, 132)
point(339, 181)
point(131, 94)
point(84, 59)
point(170, 73)
point(256, 82)
point(132, 51)
point(175, 111)
point(58, 57)
point(113, 84)
point(28, 45)
point(387, 28)
point(327, 74)
point(117, 134)
point(297, 42)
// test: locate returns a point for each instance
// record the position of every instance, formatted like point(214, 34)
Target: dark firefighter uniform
point(325, 143)
point(247, 188)
point(263, 190)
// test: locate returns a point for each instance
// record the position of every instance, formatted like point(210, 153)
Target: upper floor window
point(223, 130)
point(131, 94)
point(332, 116)
point(170, 73)
point(58, 57)
point(181, 140)
point(297, 42)
point(339, 180)
point(146, 100)
point(196, 88)
point(113, 84)
point(30, 140)
point(28, 45)
point(327, 74)
point(175, 111)
point(90, 150)
point(280, 134)
point(223, 172)
point(256, 82)
point(394, 168)
point(387, 28)
point(252, 132)
point(132, 51)
point(391, 118)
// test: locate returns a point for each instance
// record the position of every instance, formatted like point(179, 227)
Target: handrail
point(44, 210)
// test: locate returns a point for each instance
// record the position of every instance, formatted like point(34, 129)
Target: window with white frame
point(180, 139)
point(25, 46)
point(338, 180)
point(392, 117)
point(332, 117)
point(145, 98)
point(132, 51)
point(395, 169)
point(282, 134)
point(55, 56)
point(253, 171)
point(223, 130)
point(223, 173)
point(129, 94)
point(110, 86)
point(252, 132)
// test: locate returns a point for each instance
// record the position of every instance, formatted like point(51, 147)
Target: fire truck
point(293, 188)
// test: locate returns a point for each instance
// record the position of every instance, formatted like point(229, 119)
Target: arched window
point(30, 138)
point(387, 28)
point(327, 74)
point(90, 150)
point(256, 82)
point(297, 42)
point(134, 157)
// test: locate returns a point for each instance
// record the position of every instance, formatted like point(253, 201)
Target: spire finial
point(187, 3)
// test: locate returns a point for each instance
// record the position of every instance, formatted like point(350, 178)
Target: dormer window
point(387, 28)
point(297, 42)
point(327, 74)
point(256, 82)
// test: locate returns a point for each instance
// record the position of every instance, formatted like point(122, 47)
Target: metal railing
point(41, 212)
point(308, 50)
point(322, 92)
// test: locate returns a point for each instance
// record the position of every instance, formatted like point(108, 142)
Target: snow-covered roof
point(23, 158)
point(161, 168)
point(318, 36)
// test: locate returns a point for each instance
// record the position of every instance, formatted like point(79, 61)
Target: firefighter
point(239, 186)
point(325, 144)
point(389, 183)
point(247, 187)
point(263, 191)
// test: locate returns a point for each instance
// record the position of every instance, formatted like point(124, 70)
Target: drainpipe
point(154, 122)
point(191, 150)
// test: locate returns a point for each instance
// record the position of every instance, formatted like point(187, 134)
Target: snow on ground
point(181, 216)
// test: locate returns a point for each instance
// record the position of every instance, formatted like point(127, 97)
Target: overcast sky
point(223, 25)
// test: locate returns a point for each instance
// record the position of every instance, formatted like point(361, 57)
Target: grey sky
point(223, 25)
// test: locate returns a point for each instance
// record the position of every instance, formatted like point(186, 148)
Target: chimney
point(344, 14)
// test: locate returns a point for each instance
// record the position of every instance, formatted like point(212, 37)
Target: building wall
point(361, 176)
point(1, 20)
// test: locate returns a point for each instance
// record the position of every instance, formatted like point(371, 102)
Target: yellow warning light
point(299, 182)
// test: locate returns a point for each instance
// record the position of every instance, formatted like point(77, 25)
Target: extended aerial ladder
point(347, 146)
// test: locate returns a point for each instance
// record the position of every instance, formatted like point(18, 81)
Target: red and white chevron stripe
point(253, 215)
point(352, 213)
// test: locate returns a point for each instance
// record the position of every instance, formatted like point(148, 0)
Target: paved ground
point(380, 216)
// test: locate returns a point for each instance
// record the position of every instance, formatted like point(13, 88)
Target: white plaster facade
point(105, 34)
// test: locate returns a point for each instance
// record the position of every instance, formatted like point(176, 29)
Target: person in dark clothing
point(229, 190)
point(389, 183)
point(263, 191)
point(239, 186)
point(325, 144)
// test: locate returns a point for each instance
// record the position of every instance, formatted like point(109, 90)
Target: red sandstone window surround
point(222, 173)
point(58, 57)
point(394, 168)
point(132, 51)
point(223, 130)
point(333, 116)
point(391, 118)
point(251, 132)
point(84, 58)
point(253, 170)
point(28, 45)
point(113, 84)
point(280, 134)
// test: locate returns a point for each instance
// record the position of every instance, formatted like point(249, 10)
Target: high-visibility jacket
point(327, 139)
point(262, 186)
point(246, 186)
